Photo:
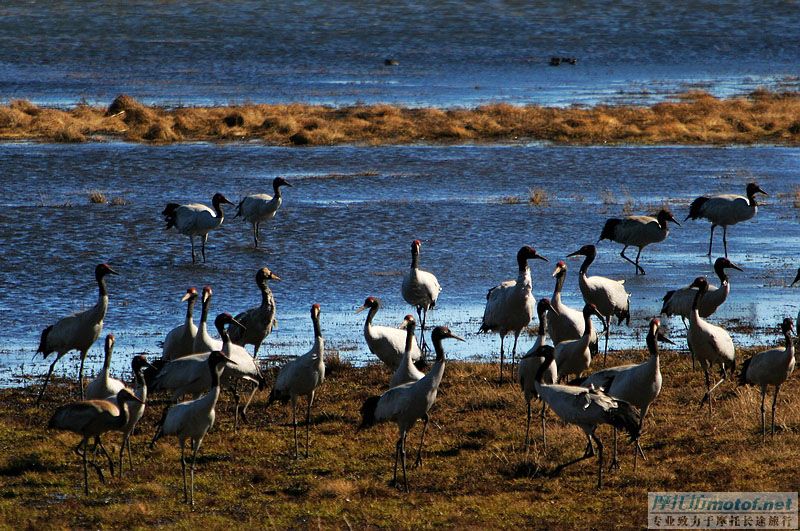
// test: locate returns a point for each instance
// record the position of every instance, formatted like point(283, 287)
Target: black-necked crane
point(406, 371)
point(302, 377)
point(770, 367)
point(90, 419)
point(196, 219)
point(135, 409)
point(408, 403)
point(192, 419)
point(104, 386)
point(246, 368)
point(258, 208)
point(709, 343)
point(386, 342)
point(76, 332)
point(510, 305)
point(679, 301)
point(638, 231)
point(203, 342)
point(724, 210)
point(180, 340)
point(529, 366)
point(258, 321)
point(607, 295)
point(565, 323)
point(420, 289)
point(638, 384)
point(574, 356)
point(587, 409)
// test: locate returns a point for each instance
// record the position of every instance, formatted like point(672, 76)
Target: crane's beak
point(112, 271)
point(186, 297)
point(227, 359)
point(273, 276)
point(664, 339)
point(551, 309)
point(150, 365)
point(761, 191)
point(457, 337)
point(361, 309)
point(540, 257)
point(206, 295)
point(576, 253)
point(672, 219)
point(734, 266)
point(237, 323)
point(557, 270)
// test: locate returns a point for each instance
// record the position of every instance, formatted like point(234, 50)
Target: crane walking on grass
point(510, 305)
point(91, 419)
point(76, 332)
point(587, 409)
point(302, 377)
point(196, 219)
point(258, 208)
point(191, 420)
point(724, 210)
point(607, 295)
point(770, 367)
point(408, 403)
point(638, 231)
point(136, 410)
point(420, 289)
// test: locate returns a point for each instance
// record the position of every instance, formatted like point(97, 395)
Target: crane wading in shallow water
point(258, 208)
point(196, 219)
point(724, 210)
point(76, 332)
point(607, 295)
point(407, 403)
point(420, 289)
point(510, 305)
point(638, 231)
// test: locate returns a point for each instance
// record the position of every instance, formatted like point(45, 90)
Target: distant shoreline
point(693, 118)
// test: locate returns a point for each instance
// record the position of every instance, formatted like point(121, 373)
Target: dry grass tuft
point(796, 197)
point(119, 201)
point(510, 200)
point(693, 118)
point(537, 197)
point(97, 197)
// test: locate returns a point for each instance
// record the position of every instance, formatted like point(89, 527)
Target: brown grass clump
point(796, 197)
point(537, 196)
point(692, 118)
point(119, 201)
point(510, 200)
point(97, 197)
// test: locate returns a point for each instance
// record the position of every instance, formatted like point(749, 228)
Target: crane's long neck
point(319, 341)
point(751, 198)
point(559, 284)
point(277, 189)
point(437, 371)
point(587, 262)
point(266, 295)
point(720, 271)
point(124, 414)
point(414, 260)
point(538, 380)
point(370, 315)
point(190, 312)
point(226, 339)
point(141, 385)
point(588, 328)
point(697, 296)
point(543, 325)
point(204, 312)
point(107, 363)
point(524, 278)
point(101, 285)
point(218, 209)
point(789, 346)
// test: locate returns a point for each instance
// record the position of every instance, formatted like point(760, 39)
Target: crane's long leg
point(638, 267)
point(294, 424)
point(126, 442)
point(203, 248)
point(528, 427)
point(608, 331)
point(725, 239)
point(85, 466)
point(235, 392)
point(423, 347)
point(424, 321)
point(502, 355)
point(80, 373)
point(638, 448)
point(514, 354)
point(183, 470)
point(774, 403)
point(622, 254)
point(108, 456)
point(599, 460)
point(763, 419)
point(191, 239)
point(308, 419)
point(255, 235)
point(396, 458)
point(130, 455)
point(711, 240)
point(195, 448)
point(544, 434)
point(614, 461)
point(418, 461)
point(403, 458)
point(247, 404)
point(47, 379)
point(707, 396)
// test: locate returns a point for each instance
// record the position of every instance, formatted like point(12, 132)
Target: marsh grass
point(476, 473)
point(795, 196)
point(119, 201)
point(510, 200)
point(538, 197)
point(97, 197)
point(692, 118)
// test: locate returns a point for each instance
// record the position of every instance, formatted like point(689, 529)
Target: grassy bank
point(476, 472)
point(693, 118)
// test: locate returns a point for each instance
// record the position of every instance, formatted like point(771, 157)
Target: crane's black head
point(369, 303)
point(217, 358)
point(264, 274)
point(586, 250)
point(753, 189)
point(102, 270)
point(657, 332)
point(126, 396)
point(544, 305)
point(526, 253)
point(724, 263)
point(207, 293)
point(139, 363)
point(442, 332)
point(277, 182)
point(191, 295)
point(219, 199)
point(315, 311)
point(591, 309)
point(665, 215)
point(701, 283)
point(409, 323)
point(787, 326)
point(109, 342)
point(415, 247)
point(224, 319)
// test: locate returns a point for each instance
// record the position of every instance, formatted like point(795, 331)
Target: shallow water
point(450, 52)
point(345, 229)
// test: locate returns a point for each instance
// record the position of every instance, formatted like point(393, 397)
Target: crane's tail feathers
point(43, 341)
point(624, 417)
point(665, 309)
point(743, 372)
point(695, 210)
point(169, 214)
point(239, 209)
point(368, 412)
point(609, 229)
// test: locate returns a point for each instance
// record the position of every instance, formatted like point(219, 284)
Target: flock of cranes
point(555, 370)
